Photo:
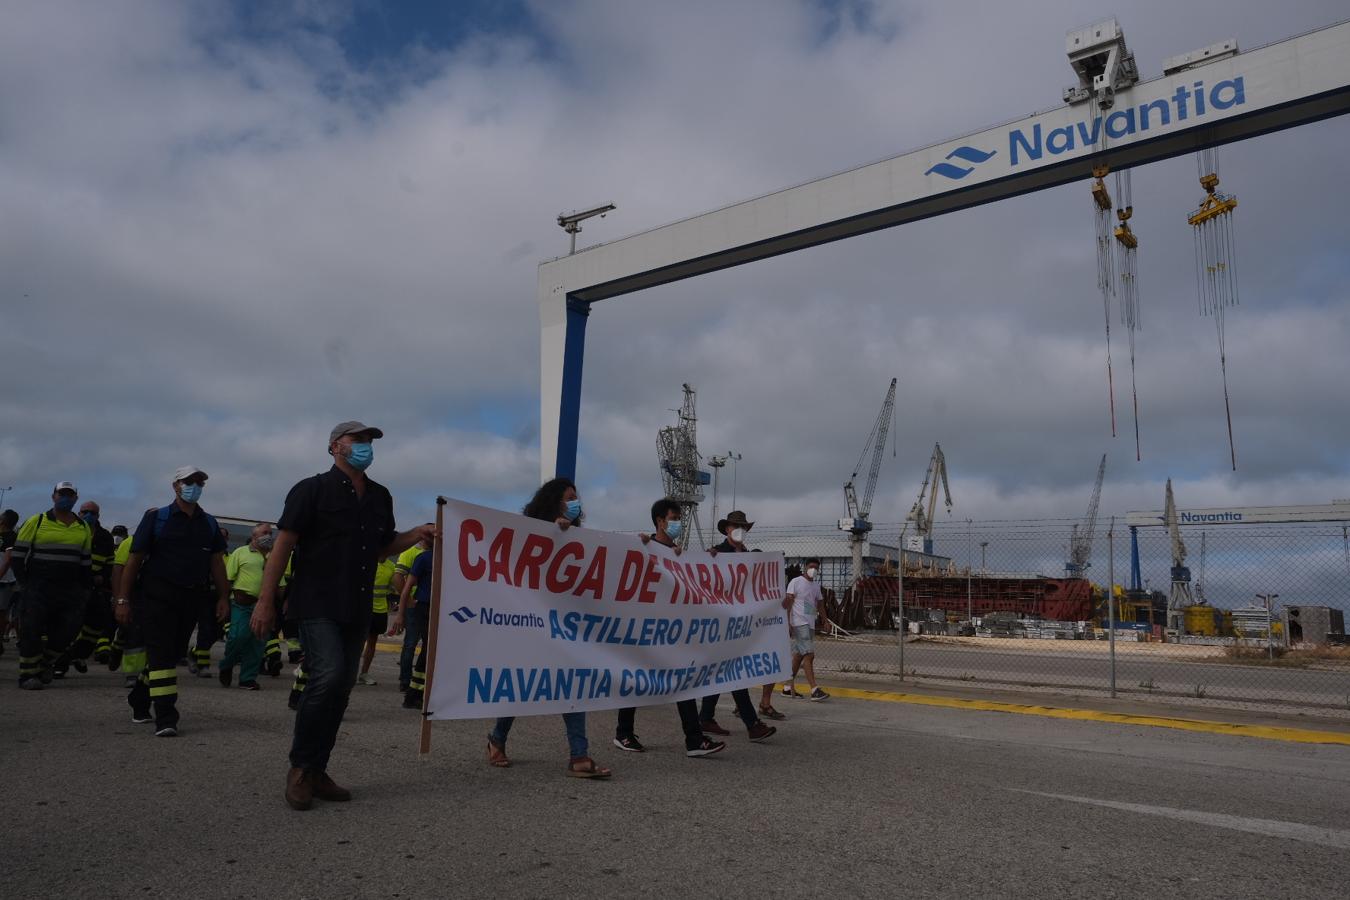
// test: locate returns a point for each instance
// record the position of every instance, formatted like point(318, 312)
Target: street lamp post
point(970, 608)
point(1269, 600)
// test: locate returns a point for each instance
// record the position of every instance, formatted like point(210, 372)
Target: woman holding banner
point(557, 501)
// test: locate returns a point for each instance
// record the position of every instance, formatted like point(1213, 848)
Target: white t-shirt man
point(806, 600)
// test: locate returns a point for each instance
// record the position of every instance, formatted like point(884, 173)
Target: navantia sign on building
point(1246, 515)
point(533, 619)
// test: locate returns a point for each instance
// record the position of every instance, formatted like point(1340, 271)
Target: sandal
point(585, 767)
point(497, 754)
point(769, 712)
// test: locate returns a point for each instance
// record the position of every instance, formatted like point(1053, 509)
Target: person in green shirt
point(244, 567)
point(379, 621)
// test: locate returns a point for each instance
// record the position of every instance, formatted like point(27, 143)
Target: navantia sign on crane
point(1187, 104)
point(1281, 85)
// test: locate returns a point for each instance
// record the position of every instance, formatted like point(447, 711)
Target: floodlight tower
point(571, 222)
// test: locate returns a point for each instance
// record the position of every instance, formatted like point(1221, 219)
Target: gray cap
point(353, 427)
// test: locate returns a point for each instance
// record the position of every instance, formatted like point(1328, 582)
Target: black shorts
point(379, 623)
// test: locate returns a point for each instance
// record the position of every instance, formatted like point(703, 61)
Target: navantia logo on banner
point(1187, 103)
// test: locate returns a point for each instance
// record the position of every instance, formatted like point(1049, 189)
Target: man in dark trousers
point(177, 556)
point(338, 525)
point(733, 530)
point(98, 607)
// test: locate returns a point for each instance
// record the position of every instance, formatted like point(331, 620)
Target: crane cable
point(1106, 278)
point(1126, 248)
point(1215, 265)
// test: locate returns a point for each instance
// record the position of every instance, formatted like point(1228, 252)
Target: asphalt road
point(852, 798)
point(1135, 672)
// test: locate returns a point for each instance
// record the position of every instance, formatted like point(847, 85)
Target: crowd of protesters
point(331, 577)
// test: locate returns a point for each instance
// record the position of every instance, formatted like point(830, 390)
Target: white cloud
point(214, 247)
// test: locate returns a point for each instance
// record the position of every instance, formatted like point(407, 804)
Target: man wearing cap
point(733, 530)
point(335, 527)
point(51, 558)
point(177, 557)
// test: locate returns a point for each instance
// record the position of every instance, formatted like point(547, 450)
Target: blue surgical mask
point(190, 493)
point(674, 530)
point(65, 504)
point(573, 510)
point(360, 456)
point(89, 517)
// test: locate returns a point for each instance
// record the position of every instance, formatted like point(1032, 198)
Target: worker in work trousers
point(51, 558)
point(177, 558)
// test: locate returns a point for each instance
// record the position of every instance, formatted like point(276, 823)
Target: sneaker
point(412, 701)
point(249, 686)
point(141, 718)
point(58, 671)
point(226, 677)
point(759, 732)
point(366, 678)
point(791, 691)
point(711, 727)
point(46, 676)
point(101, 657)
point(707, 748)
point(274, 667)
point(293, 702)
point(80, 666)
point(114, 660)
point(630, 743)
point(166, 731)
point(129, 682)
point(191, 664)
point(31, 684)
point(204, 672)
point(818, 694)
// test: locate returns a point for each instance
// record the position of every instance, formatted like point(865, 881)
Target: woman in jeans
point(556, 501)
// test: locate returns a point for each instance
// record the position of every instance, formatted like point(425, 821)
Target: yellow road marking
point(1265, 732)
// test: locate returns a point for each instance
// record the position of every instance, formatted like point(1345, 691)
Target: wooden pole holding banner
point(433, 625)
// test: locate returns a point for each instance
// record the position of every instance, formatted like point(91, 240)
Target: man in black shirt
point(178, 554)
point(339, 525)
point(733, 530)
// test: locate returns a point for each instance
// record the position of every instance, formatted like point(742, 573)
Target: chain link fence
point(1260, 623)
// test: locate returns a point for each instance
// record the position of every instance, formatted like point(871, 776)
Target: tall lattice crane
point(1180, 595)
point(682, 478)
point(921, 515)
point(857, 524)
point(1080, 544)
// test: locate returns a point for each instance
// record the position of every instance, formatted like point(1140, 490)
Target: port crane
point(922, 516)
point(1179, 598)
point(1080, 542)
point(857, 524)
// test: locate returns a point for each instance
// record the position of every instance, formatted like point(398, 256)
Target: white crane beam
point(1281, 85)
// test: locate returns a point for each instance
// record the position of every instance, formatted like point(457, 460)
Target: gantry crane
point(857, 524)
point(922, 516)
point(1179, 598)
point(1080, 544)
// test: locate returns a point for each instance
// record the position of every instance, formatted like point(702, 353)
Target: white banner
point(536, 619)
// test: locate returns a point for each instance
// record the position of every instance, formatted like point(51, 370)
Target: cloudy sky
point(227, 226)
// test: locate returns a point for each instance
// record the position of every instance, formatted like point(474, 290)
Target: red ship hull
point(1059, 599)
